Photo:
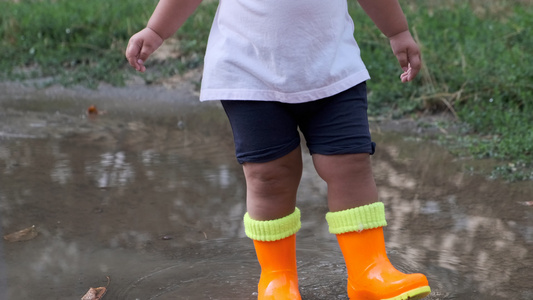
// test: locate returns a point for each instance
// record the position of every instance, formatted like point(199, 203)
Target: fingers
point(133, 53)
point(404, 77)
point(403, 60)
point(411, 70)
point(141, 46)
point(415, 64)
point(410, 63)
point(407, 53)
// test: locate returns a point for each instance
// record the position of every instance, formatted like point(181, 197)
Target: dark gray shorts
point(267, 130)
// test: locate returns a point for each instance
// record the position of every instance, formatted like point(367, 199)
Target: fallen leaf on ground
point(96, 293)
point(25, 234)
point(92, 110)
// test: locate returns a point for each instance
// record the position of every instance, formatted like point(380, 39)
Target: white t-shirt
point(290, 51)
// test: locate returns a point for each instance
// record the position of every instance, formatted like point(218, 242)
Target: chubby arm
point(390, 19)
point(168, 17)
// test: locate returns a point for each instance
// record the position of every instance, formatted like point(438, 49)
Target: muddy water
point(149, 194)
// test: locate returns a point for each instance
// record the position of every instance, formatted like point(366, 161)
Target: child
point(277, 66)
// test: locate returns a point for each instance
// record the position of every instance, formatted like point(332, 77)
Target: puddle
point(151, 195)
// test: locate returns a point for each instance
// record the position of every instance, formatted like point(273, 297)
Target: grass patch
point(477, 66)
point(73, 42)
point(477, 62)
point(70, 41)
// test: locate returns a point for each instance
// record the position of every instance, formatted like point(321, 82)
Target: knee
point(358, 162)
point(284, 169)
point(335, 167)
point(267, 176)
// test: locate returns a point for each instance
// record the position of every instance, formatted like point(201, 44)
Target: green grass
point(477, 66)
point(71, 41)
point(477, 62)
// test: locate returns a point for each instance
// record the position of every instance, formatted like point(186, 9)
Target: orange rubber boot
point(279, 277)
point(275, 246)
point(371, 276)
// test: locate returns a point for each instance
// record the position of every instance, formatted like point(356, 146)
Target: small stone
point(166, 237)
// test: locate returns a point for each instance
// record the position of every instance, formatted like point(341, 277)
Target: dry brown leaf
point(92, 110)
point(25, 234)
point(96, 293)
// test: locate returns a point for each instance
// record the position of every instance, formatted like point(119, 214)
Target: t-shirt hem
point(208, 94)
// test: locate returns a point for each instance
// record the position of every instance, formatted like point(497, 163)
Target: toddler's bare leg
point(350, 180)
point(272, 222)
point(271, 186)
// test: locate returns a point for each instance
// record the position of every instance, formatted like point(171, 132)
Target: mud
point(150, 195)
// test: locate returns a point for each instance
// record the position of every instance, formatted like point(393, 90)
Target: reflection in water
point(111, 190)
point(460, 223)
point(157, 207)
point(3, 264)
point(61, 172)
point(111, 170)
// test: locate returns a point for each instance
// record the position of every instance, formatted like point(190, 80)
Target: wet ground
point(149, 194)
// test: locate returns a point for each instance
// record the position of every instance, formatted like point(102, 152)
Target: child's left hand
point(408, 54)
point(407, 74)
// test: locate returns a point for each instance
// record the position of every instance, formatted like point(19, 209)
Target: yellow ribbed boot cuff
point(357, 219)
point(272, 230)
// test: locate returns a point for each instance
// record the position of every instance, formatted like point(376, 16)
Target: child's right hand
point(141, 46)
